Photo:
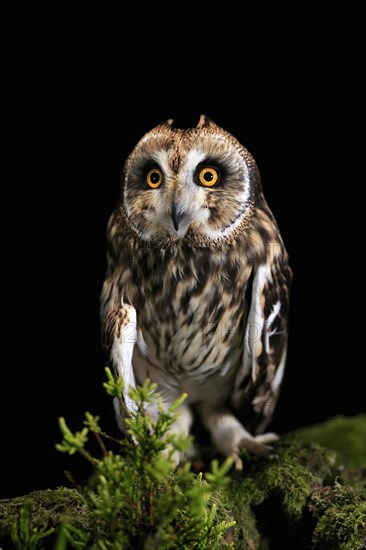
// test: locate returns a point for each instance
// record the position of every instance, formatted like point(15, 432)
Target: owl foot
point(230, 436)
point(256, 445)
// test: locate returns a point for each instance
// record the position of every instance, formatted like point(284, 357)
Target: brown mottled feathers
point(211, 298)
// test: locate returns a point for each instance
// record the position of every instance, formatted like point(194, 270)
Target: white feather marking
point(215, 233)
point(277, 379)
point(194, 157)
point(161, 158)
point(275, 311)
point(253, 344)
point(141, 344)
point(122, 350)
point(225, 368)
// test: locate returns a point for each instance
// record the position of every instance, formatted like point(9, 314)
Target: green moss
point(238, 499)
point(345, 435)
point(48, 509)
point(291, 476)
point(341, 519)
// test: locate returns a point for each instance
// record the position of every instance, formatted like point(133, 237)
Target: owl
point(196, 292)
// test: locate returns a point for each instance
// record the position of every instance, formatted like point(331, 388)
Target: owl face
point(178, 183)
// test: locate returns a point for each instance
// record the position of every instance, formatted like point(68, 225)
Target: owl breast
point(191, 315)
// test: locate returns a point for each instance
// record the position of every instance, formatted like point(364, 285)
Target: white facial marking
point(161, 158)
point(194, 158)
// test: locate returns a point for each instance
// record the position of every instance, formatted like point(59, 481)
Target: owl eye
point(154, 178)
point(208, 176)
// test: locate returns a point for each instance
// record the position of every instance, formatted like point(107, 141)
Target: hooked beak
point(177, 216)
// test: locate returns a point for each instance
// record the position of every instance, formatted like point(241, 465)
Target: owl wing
point(259, 377)
point(118, 318)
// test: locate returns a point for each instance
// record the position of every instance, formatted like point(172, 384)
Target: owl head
point(197, 185)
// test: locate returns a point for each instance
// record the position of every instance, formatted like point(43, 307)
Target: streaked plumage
point(197, 287)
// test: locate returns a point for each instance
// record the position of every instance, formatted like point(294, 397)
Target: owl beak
point(177, 216)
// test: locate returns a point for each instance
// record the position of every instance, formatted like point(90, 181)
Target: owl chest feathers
point(191, 313)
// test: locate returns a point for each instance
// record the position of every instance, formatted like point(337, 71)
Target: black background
point(73, 107)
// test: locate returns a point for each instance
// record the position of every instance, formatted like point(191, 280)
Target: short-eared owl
point(196, 292)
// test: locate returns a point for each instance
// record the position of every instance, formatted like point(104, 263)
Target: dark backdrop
point(72, 117)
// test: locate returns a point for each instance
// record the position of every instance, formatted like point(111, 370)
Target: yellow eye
point(154, 178)
point(208, 176)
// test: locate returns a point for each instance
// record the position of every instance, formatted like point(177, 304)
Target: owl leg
point(120, 338)
point(229, 435)
point(181, 427)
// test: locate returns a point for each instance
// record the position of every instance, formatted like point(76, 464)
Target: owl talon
point(268, 437)
point(274, 456)
point(238, 463)
point(256, 447)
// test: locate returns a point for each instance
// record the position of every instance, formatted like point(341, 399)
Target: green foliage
point(218, 476)
point(71, 536)
point(71, 443)
point(113, 386)
point(23, 535)
point(140, 499)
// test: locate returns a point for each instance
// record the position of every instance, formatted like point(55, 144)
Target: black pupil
point(155, 177)
point(208, 176)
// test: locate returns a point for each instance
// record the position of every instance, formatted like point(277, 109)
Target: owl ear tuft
point(166, 123)
point(204, 122)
